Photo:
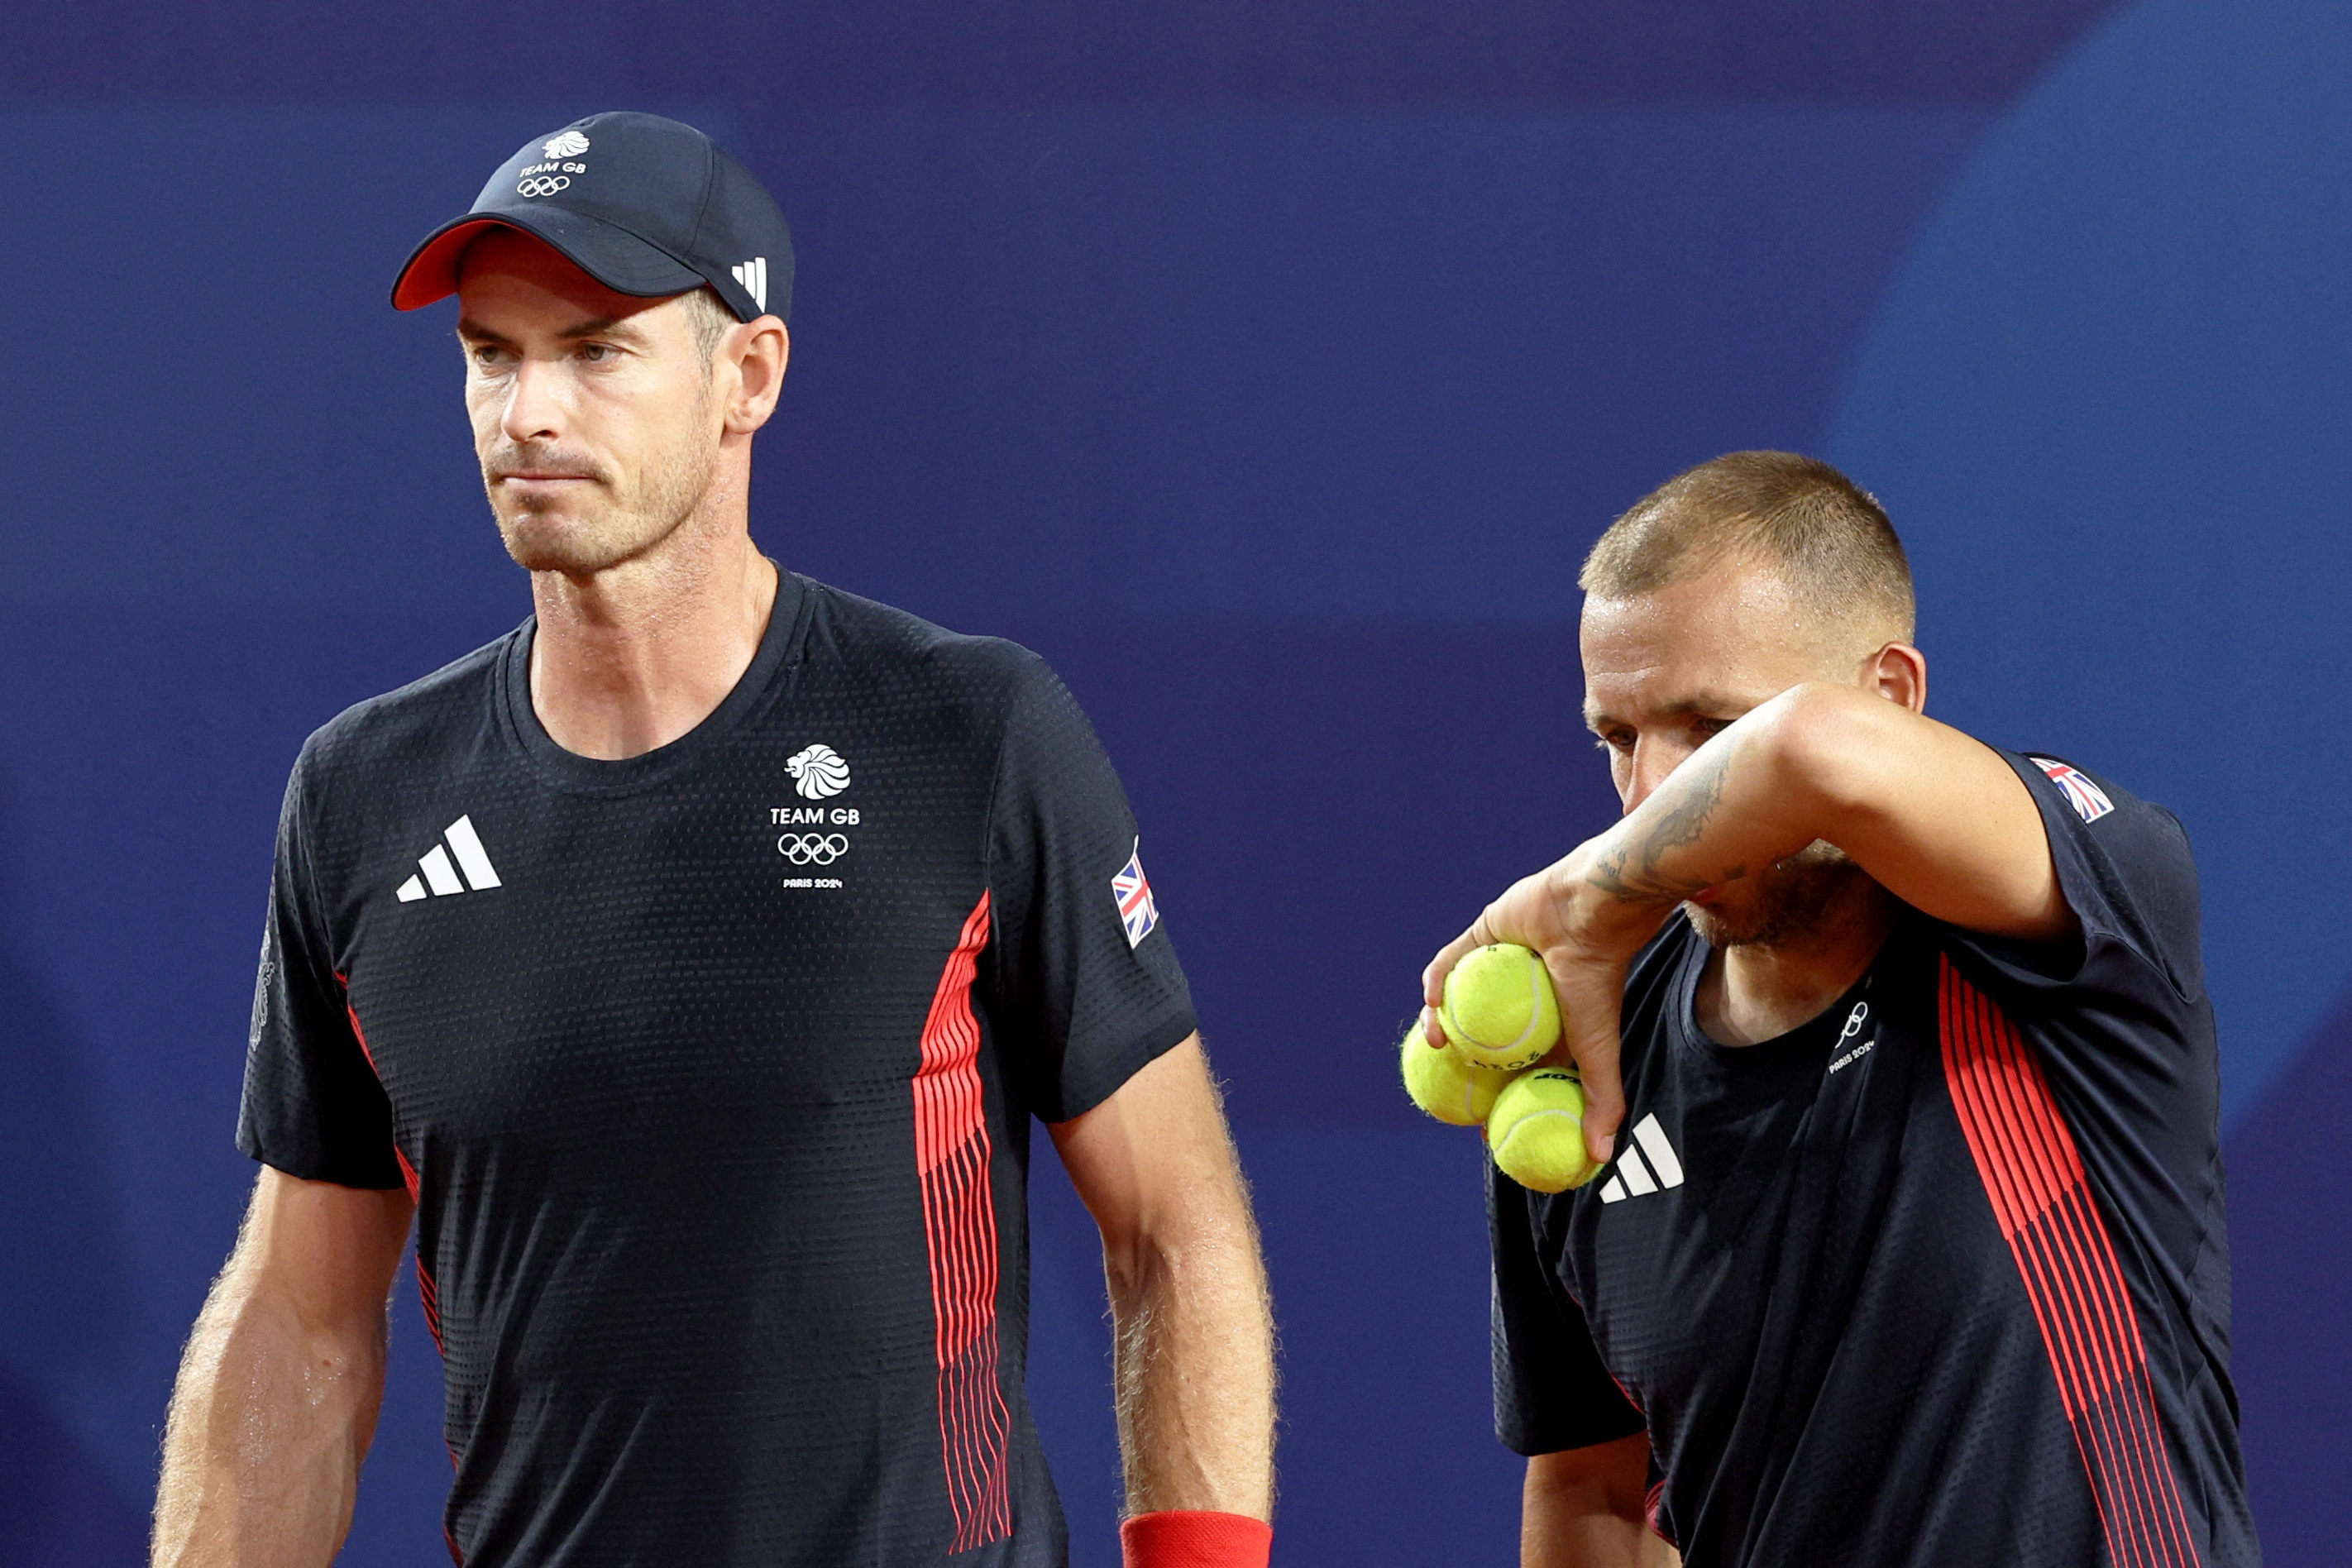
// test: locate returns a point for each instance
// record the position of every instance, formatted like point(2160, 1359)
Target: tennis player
point(689, 965)
point(1909, 1249)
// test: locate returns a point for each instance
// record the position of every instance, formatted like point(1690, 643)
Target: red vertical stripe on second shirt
point(2033, 1173)
point(953, 1153)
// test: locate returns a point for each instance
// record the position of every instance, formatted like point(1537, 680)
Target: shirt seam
point(988, 842)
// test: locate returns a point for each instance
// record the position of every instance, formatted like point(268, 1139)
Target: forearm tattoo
point(1630, 872)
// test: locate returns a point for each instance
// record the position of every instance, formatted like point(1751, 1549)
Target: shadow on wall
point(64, 1293)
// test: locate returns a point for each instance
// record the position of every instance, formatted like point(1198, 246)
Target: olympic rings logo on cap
point(812, 848)
point(544, 186)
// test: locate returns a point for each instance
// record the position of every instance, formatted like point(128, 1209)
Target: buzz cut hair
point(710, 317)
point(1826, 536)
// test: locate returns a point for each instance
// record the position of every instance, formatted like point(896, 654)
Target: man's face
point(592, 411)
point(1666, 672)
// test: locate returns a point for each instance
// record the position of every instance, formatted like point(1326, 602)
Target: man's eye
point(595, 354)
point(483, 354)
point(1616, 741)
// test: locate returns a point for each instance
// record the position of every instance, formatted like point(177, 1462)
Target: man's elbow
point(1202, 1241)
point(1828, 746)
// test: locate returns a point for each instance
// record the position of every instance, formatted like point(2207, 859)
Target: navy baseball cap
point(644, 206)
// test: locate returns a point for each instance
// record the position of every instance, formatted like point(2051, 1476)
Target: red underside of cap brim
point(642, 270)
point(432, 273)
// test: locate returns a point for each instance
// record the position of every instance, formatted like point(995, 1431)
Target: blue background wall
point(1268, 369)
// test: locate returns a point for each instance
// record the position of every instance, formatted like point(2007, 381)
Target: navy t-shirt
point(1938, 1279)
point(711, 1071)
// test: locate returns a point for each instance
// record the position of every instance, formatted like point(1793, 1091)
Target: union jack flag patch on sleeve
point(1131, 890)
point(2089, 801)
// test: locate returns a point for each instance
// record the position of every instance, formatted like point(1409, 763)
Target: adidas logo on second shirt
point(1635, 1177)
point(436, 875)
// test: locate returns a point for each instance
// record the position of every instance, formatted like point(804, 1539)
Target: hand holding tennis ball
point(1447, 1085)
point(1499, 1010)
point(1541, 928)
point(1536, 1131)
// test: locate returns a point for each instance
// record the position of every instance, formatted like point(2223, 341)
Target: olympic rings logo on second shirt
point(812, 848)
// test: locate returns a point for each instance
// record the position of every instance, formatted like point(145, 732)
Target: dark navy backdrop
point(1268, 369)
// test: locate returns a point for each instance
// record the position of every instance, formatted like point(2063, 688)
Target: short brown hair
point(1826, 535)
point(711, 318)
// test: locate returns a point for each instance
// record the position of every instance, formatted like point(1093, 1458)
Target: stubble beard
point(613, 526)
point(1796, 899)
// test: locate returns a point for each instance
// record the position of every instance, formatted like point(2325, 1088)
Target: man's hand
point(1193, 1352)
point(1555, 913)
point(1590, 913)
point(1933, 816)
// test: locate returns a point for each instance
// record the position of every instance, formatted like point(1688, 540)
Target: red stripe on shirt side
point(2082, 1267)
point(428, 1294)
point(2022, 1140)
point(1654, 1512)
point(1960, 1066)
point(407, 1171)
point(951, 1158)
point(2034, 1176)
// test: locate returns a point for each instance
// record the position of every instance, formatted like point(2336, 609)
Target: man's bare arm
point(1933, 814)
point(1937, 817)
point(1587, 1508)
point(280, 1387)
point(1194, 1353)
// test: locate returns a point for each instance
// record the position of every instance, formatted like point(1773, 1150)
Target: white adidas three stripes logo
point(434, 871)
point(1634, 1177)
point(753, 275)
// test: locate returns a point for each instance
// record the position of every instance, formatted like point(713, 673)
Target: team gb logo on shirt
point(817, 771)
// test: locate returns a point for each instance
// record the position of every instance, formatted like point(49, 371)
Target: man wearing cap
point(687, 966)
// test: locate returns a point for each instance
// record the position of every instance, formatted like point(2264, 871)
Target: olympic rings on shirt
point(812, 848)
point(544, 186)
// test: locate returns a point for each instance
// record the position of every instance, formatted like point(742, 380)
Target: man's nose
point(534, 409)
point(1652, 760)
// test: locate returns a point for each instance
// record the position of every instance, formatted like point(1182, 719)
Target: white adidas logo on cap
point(436, 874)
point(753, 275)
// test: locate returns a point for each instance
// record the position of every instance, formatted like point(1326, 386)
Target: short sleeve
point(1087, 986)
point(2124, 867)
point(1552, 1391)
point(313, 1107)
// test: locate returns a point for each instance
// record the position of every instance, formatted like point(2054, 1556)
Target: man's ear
point(759, 351)
point(1898, 672)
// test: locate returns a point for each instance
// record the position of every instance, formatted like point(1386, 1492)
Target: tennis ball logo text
point(799, 815)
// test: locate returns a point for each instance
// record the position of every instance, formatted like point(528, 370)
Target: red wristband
point(1195, 1538)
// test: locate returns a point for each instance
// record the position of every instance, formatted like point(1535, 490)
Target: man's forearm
point(1741, 802)
point(1588, 1508)
point(1550, 1539)
point(1933, 816)
point(1194, 1367)
point(268, 1423)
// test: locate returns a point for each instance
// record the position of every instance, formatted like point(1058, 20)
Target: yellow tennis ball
point(1499, 1010)
point(1535, 1132)
point(1442, 1082)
